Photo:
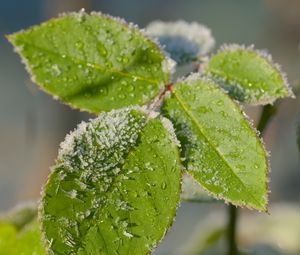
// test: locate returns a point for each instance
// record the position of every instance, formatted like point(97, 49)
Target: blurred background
point(32, 124)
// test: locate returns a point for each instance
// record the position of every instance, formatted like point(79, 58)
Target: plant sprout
point(116, 183)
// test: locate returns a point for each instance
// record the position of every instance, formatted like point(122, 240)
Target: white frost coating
point(195, 32)
point(152, 114)
point(66, 147)
point(101, 143)
point(149, 113)
point(195, 77)
point(184, 41)
point(169, 127)
point(127, 234)
point(168, 65)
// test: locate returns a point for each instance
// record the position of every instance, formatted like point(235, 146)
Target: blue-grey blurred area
point(32, 124)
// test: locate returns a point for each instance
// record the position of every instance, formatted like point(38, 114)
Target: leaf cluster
point(116, 184)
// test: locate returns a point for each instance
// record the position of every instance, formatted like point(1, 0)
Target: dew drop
point(56, 70)
point(127, 234)
point(220, 103)
point(79, 45)
point(124, 83)
point(103, 91)
point(203, 109)
point(130, 88)
point(102, 50)
point(163, 186)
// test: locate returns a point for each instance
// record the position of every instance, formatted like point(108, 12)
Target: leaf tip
point(10, 38)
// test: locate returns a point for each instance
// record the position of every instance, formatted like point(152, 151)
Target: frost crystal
point(169, 65)
point(169, 126)
point(183, 41)
point(96, 148)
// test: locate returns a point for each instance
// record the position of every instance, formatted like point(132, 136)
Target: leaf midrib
point(189, 113)
point(95, 66)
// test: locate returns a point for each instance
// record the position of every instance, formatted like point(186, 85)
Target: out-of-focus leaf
point(185, 42)
point(26, 242)
point(20, 215)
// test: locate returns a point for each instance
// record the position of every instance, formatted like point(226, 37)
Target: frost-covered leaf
point(20, 215)
point(248, 75)
point(115, 187)
point(26, 242)
point(221, 150)
point(92, 61)
point(183, 41)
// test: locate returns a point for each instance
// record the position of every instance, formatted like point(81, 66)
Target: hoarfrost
point(169, 126)
point(101, 143)
point(183, 41)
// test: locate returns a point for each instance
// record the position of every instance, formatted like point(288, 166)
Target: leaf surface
point(248, 75)
point(221, 150)
point(115, 187)
point(93, 62)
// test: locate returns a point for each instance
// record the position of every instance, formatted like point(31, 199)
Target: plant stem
point(267, 113)
point(232, 245)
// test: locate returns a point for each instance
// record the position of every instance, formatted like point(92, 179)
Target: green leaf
point(92, 61)
point(115, 187)
point(221, 150)
point(7, 237)
point(25, 242)
point(248, 75)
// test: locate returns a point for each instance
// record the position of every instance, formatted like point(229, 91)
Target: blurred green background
point(32, 124)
